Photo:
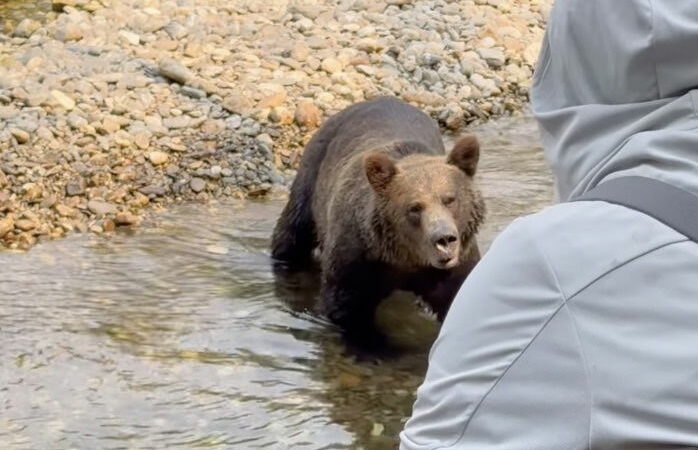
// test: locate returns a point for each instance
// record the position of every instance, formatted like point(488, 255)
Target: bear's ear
point(465, 154)
point(380, 170)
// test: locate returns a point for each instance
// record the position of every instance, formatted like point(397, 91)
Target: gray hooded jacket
point(579, 328)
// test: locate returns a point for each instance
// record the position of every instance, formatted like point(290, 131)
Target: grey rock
point(494, 57)
point(75, 187)
point(174, 123)
point(197, 184)
point(193, 92)
point(174, 70)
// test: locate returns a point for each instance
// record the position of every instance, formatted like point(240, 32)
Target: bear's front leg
point(351, 291)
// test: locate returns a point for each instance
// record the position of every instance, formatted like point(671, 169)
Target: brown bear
point(386, 209)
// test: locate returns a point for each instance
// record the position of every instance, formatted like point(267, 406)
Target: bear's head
point(427, 209)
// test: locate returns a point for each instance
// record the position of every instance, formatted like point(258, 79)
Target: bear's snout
point(445, 245)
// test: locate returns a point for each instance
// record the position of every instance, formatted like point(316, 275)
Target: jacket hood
point(615, 93)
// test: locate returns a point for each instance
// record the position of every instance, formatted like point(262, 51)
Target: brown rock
point(21, 135)
point(125, 219)
point(64, 211)
point(237, 104)
point(6, 225)
point(307, 115)
point(25, 224)
point(108, 225)
point(281, 115)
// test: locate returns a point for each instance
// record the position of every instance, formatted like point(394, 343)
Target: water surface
point(175, 336)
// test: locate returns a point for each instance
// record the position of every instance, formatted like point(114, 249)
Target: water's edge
point(175, 335)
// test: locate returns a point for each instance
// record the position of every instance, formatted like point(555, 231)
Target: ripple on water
point(175, 337)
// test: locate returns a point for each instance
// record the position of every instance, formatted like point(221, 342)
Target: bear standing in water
point(386, 208)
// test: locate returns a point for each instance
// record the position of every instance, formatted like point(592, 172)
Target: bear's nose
point(443, 239)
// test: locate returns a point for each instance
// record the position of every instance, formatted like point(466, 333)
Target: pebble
point(493, 56)
point(331, 65)
point(158, 158)
point(24, 225)
point(174, 123)
point(101, 208)
point(307, 115)
point(175, 71)
point(197, 184)
point(63, 100)
point(281, 115)
point(8, 112)
point(68, 32)
point(7, 224)
point(130, 37)
point(193, 92)
point(64, 211)
point(26, 28)
point(75, 187)
point(125, 219)
point(21, 135)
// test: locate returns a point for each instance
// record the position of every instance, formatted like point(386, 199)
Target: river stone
point(100, 207)
point(63, 99)
point(307, 114)
point(158, 158)
point(68, 32)
point(174, 123)
point(75, 187)
point(331, 65)
point(197, 184)
point(174, 70)
point(193, 92)
point(64, 211)
point(26, 28)
point(130, 37)
point(493, 56)
point(25, 224)
point(8, 112)
point(6, 225)
point(125, 219)
point(21, 135)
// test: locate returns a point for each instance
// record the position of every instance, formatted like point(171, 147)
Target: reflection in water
point(176, 337)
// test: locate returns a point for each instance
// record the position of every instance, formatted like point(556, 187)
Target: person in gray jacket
point(579, 328)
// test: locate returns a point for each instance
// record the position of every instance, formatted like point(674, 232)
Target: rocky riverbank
point(114, 107)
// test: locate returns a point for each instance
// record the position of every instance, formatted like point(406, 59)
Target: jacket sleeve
point(506, 368)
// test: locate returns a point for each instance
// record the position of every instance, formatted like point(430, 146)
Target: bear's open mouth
point(447, 262)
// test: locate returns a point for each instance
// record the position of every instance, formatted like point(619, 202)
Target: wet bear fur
point(374, 193)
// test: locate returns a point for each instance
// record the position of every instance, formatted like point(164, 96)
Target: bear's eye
point(448, 200)
point(414, 213)
point(415, 209)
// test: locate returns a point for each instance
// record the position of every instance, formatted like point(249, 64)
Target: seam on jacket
point(544, 325)
point(521, 352)
point(623, 264)
point(653, 30)
point(587, 374)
